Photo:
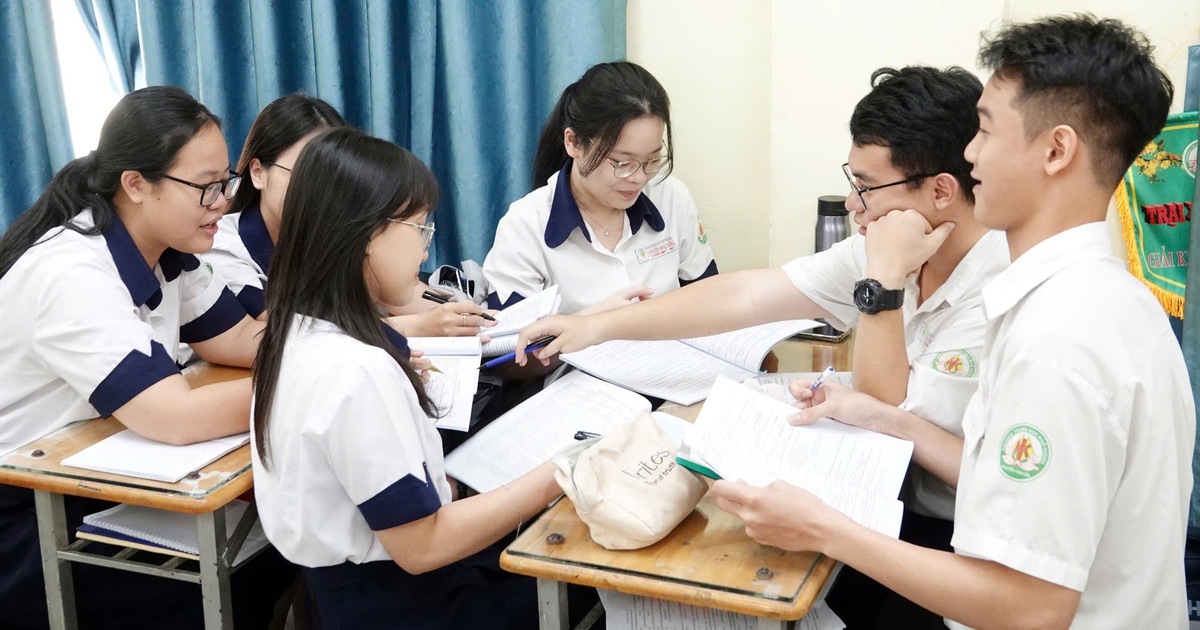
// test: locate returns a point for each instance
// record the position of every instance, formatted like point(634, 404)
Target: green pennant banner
point(1155, 204)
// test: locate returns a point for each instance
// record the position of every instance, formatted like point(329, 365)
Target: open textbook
point(682, 371)
point(744, 435)
point(511, 320)
point(453, 389)
point(533, 431)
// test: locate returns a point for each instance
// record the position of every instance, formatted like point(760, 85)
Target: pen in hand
point(433, 297)
point(820, 379)
point(512, 355)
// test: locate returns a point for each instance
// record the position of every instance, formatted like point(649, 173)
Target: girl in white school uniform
point(607, 214)
point(99, 283)
point(244, 244)
point(347, 463)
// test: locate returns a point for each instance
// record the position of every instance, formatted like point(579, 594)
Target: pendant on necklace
point(606, 231)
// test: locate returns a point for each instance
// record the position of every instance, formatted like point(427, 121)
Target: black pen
point(433, 297)
point(585, 435)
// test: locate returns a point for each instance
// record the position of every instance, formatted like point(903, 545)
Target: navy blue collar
point(396, 338)
point(253, 232)
point(139, 278)
point(565, 215)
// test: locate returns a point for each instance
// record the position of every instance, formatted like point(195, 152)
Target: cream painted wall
point(762, 90)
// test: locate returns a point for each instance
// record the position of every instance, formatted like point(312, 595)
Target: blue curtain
point(113, 26)
point(35, 140)
point(464, 85)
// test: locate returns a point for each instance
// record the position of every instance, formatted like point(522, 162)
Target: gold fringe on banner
point(1172, 303)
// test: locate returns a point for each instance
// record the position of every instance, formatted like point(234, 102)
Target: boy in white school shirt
point(1075, 473)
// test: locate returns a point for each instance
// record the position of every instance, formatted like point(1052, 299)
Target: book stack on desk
point(160, 531)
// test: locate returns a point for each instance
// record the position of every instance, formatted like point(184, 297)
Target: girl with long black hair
point(348, 466)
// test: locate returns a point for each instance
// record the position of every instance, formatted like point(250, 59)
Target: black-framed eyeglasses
point(210, 191)
point(629, 167)
point(426, 231)
point(863, 190)
point(270, 163)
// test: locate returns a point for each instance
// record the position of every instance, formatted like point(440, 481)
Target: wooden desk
point(706, 561)
point(38, 466)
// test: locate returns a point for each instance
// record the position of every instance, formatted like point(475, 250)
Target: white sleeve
point(1036, 497)
point(241, 275)
point(375, 451)
point(828, 278)
point(695, 256)
point(516, 268)
point(207, 307)
point(89, 334)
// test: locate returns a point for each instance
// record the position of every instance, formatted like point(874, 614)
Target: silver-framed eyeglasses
point(629, 167)
point(866, 189)
point(210, 191)
point(425, 230)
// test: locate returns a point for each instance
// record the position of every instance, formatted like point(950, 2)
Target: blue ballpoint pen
point(820, 379)
point(512, 355)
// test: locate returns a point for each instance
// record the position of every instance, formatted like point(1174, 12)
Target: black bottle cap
point(832, 206)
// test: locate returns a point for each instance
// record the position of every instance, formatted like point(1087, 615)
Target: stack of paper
point(533, 431)
point(127, 453)
point(682, 371)
point(511, 320)
point(172, 533)
point(785, 379)
point(453, 388)
point(745, 436)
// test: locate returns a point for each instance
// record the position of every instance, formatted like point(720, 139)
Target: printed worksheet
point(452, 389)
point(744, 435)
point(533, 431)
point(682, 371)
point(630, 612)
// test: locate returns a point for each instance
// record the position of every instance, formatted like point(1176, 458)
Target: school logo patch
point(955, 363)
point(703, 237)
point(650, 252)
point(1189, 158)
point(1024, 452)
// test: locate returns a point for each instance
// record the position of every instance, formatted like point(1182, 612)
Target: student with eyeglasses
point(99, 284)
point(607, 220)
point(250, 228)
point(348, 469)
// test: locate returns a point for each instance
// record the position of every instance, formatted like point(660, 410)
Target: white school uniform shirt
point(1077, 462)
point(242, 252)
point(88, 325)
point(351, 451)
point(944, 338)
point(542, 240)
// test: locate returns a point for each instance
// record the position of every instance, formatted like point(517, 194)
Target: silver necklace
point(597, 223)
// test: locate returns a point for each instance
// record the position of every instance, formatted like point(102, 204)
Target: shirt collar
point(986, 258)
point(253, 232)
point(318, 325)
point(1086, 242)
point(144, 286)
point(565, 215)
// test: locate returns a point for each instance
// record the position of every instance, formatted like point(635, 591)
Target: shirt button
point(616, 263)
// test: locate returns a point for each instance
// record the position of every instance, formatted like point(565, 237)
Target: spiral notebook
point(160, 531)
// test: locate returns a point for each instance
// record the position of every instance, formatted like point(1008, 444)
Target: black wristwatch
point(870, 297)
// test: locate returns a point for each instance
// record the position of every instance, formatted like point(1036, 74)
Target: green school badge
point(955, 363)
point(1024, 452)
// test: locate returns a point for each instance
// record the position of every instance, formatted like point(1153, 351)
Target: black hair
point(925, 116)
point(144, 132)
point(347, 184)
point(1097, 76)
point(282, 123)
point(597, 107)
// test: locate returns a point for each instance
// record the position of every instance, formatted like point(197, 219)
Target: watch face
point(866, 297)
point(870, 297)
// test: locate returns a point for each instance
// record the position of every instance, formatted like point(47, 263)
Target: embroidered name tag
point(650, 252)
